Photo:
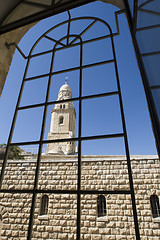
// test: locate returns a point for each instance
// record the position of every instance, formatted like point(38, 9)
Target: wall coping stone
point(85, 158)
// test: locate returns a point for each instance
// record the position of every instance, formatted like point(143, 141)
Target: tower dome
point(65, 87)
point(65, 92)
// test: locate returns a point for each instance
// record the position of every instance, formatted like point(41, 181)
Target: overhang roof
point(18, 13)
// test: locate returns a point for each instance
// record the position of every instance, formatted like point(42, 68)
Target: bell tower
point(62, 123)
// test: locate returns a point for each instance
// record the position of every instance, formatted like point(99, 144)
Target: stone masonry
point(98, 173)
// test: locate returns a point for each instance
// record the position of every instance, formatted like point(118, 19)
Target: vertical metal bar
point(126, 146)
point(69, 23)
point(149, 97)
point(79, 147)
point(135, 15)
point(39, 153)
point(13, 125)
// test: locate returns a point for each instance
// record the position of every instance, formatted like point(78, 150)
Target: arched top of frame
point(59, 42)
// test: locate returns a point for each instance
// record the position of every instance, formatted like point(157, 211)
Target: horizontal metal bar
point(87, 138)
point(149, 11)
point(116, 135)
point(70, 69)
point(53, 40)
point(41, 53)
point(100, 95)
point(148, 27)
point(91, 65)
point(145, 3)
point(155, 87)
point(69, 100)
point(24, 143)
point(32, 106)
point(150, 53)
point(84, 192)
point(105, 192)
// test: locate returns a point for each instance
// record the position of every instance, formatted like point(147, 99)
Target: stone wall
point(98, 173)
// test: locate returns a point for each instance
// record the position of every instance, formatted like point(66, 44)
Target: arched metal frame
point(59, 45)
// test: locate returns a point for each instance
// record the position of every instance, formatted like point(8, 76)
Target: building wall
point(98, 173)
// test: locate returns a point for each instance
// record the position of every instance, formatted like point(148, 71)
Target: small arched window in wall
point(101, 205)
point(44, 205)
point(61, 120)
point(154, 200)
point(61, 106)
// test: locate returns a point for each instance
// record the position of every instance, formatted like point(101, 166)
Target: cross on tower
point(66, 80)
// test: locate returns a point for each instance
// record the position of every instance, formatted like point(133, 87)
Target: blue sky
point(99, 115)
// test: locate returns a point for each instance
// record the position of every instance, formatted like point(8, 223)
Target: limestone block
point(96, 237)
point(57, 229)
point(62, 236)
point(40, 228)
point(45, 235)
point(71, 237)
point(37, 235)
point(49, 228)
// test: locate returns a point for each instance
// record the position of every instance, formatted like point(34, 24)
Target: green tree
point(14, 152)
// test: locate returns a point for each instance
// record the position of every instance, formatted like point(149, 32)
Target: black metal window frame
point(61, 7)
point(59, 45)
point(132, 21)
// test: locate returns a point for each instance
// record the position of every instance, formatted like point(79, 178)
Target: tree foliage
point(14, 152)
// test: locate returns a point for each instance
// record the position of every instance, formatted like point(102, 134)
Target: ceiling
point(18, 13)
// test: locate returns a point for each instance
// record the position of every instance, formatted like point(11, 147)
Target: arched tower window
point(154, 200)
point(44, 205)
point(61, 106)
point(101, 205)
point(61, 120)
